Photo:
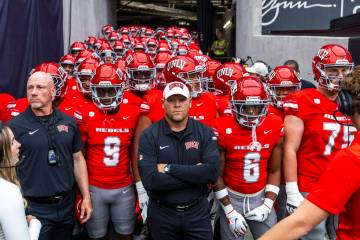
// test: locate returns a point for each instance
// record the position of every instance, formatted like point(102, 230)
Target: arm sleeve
point(293, 106)
point(12, 216)
point(338, 183)
point(208, 171)
point(151, 178)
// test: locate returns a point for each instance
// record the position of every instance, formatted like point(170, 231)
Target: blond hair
point(7, 168)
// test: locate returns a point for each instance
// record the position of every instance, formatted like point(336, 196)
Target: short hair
point(352, 85)
point(293, 63)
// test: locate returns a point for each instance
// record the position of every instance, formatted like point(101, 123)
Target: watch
point(167, 168)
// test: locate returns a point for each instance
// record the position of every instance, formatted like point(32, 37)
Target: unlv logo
point(192, 144)
point(178, 63)
point(129, 59)
point(322, 53)
point(225, 72)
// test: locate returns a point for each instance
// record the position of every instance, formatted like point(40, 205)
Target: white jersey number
point(251, 167)
point(335, 128)
point(112, 151)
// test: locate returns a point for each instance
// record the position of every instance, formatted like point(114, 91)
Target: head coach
point(50, 160)
point(178, 158)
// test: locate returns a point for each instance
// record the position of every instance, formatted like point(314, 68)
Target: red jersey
point(338, 191)
point(276, 111)
point(323, 137)
point(246, 164)
point(7, 103)
point(223, 105)
point(72, 89)
point(203, 109)
point(108, 138)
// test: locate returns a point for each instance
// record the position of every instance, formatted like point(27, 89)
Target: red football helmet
point(85, 72)
point(182, 50)
point(83, 55)
point(283, 80)
point(209, 75)
point(119, 49)
point(77, 47)
point(226, 75)
point(330, 66)
point(67, 62)
point(187, 70)
point(250, 101)
point(141, 72)
point(160, 61)
point(58, 75)
point(90, 42)
point(107, 87)
point(106, 53)
point(151, 46)
point(106, 30)
point(113, 36)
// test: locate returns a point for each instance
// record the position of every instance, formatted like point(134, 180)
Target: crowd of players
point(113, 85)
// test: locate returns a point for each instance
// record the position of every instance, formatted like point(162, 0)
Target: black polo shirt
point(186, 181)
point(37, 177)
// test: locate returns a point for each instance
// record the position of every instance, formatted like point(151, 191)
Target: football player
point(283, 81)
point(314, 131)
point(107, 130)
point(250, 145)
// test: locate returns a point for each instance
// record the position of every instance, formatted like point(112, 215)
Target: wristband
point(272, 188)
point(221, 193)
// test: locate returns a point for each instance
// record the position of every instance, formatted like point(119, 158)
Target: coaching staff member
point(50, 160)
point(178, 158)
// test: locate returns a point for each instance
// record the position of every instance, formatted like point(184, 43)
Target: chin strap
point(254, 144)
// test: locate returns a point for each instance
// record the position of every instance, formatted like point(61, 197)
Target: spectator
point(178, 158)
point(13, 224)
point(295, 65)
point(338, 191)
point(51, 160)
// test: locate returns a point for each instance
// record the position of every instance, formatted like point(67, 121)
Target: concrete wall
point(275, 49)
point(82, 18)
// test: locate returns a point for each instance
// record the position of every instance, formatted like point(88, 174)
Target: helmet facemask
point(193, 80)
point(107, 96)
point(83, 79)
point(251, 112)
point(141, 79)
point(278, 92)
point(332, 75)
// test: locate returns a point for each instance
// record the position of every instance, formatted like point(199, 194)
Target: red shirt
point(338, 191)
point(323, 137)
point(203, 109)
point(276, 111)
point(151, 99)
point(246, 167)
point(108, 138)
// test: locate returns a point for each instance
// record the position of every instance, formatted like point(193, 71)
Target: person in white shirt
point(14, 224)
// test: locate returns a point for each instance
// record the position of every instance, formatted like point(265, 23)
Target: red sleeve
point(217, 131)
point(293, 105)
point(338, 183)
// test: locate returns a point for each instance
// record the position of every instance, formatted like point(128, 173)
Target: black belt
point(50, 199)
point(178, 207)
